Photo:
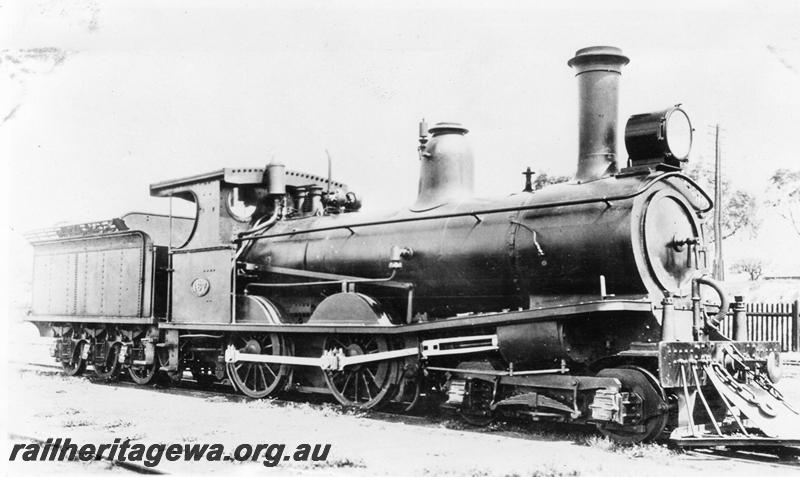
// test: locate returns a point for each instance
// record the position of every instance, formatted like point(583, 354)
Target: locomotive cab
point(201, 279)
point(229, 204)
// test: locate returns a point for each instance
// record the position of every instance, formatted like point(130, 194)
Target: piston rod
point(336, 359)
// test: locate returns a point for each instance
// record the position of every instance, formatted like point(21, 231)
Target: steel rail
point(187, 389)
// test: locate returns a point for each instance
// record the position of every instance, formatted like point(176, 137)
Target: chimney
point(598, 69)
point(446, 167)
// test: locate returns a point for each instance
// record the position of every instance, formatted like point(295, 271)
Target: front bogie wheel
point(641, 382)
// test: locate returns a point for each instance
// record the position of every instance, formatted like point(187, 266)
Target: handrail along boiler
point(580, 302)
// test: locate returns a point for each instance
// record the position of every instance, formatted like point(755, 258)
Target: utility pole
point(719, 265)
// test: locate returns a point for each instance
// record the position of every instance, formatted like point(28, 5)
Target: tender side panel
point(97, 276)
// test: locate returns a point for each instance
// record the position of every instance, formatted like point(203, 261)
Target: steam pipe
point(598, 69)
point(724, 301)
point(258, 228)
point(261, 225)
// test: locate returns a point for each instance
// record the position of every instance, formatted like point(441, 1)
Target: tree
point(753, 267)
point(783, 194)
point(544, 179)
point(738, 206)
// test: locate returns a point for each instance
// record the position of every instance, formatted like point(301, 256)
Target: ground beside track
point(44, 404)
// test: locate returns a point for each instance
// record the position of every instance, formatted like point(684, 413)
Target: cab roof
point(240, 176)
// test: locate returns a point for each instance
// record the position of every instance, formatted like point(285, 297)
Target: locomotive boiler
point(580, 302)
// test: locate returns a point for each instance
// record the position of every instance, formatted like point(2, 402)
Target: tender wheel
point(108, 367)
point(76, 365)
point(363, 386)
point(143, 375)
point(259, 380)
point(642, 382)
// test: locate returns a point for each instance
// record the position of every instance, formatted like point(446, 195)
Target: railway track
point(787, 458)
point(787, 461)
point(191, 388)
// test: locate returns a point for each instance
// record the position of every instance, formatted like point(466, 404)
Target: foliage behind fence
point(771, 322)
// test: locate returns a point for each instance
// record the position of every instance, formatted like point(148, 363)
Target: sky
point(100, 99)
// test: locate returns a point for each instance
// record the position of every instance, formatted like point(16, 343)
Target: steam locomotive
point(580, 302)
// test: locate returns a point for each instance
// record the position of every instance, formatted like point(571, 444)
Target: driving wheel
point(366, 385)
point(259, 380)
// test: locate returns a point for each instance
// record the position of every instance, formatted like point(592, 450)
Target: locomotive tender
point(579, 302)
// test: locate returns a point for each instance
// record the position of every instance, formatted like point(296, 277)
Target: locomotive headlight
point(774, 370)
point(678, 133)
point(664, 136)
